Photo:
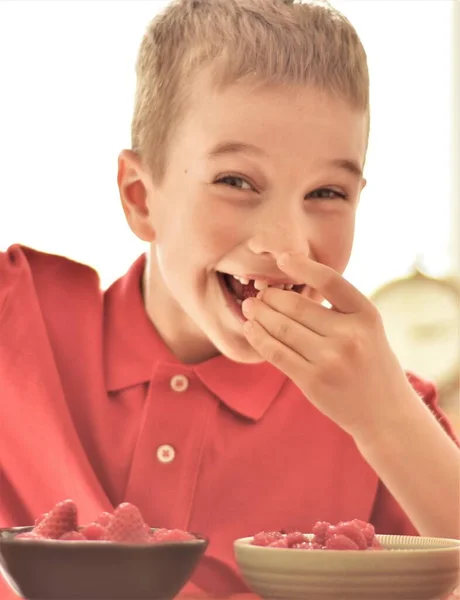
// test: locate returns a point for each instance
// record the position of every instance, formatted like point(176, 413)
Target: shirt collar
point(133, 349)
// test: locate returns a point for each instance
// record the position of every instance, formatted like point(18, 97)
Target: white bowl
point(408, 568)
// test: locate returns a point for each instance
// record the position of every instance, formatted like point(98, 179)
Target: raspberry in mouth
point(241, 288)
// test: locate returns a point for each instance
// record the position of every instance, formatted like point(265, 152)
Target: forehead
point(278, 118)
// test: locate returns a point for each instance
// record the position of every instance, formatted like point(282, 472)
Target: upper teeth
point(263, 285)
point(260, 285)
point(242, 280)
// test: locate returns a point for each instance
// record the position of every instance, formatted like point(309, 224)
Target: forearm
point(420, 466)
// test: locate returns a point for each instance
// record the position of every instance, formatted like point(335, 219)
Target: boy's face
point(252, 172)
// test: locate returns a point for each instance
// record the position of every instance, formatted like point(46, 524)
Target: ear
point(133, 181)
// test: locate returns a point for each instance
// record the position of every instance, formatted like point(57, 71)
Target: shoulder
point(20, 262)
point(56, 269)
point(56, 283)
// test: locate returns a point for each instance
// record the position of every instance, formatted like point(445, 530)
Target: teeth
point(263, 285)
point(238, 301)
point(260, 285)
point(242, 280)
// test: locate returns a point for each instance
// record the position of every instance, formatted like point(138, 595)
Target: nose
point(275, 238)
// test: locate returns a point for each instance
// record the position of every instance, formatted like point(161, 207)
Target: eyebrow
point(348, 165)
point(234, 148)
point(229, 147)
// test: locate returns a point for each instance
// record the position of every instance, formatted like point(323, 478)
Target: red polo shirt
point(93, 406)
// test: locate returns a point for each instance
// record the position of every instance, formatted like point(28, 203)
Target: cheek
point(217, 238)
point(198, 238)
point(334, 244)
point(215, 226)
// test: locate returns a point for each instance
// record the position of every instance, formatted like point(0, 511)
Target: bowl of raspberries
point(115, 557)
point(347, 560)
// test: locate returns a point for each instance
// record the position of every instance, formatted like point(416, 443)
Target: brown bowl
point(55, 570)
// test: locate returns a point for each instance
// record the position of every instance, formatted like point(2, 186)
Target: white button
point(179, 383)
point(166, 453)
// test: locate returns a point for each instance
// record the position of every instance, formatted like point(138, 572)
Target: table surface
point(234, 597)
point(7, 594)
point(11, 596)
point(253, 597)
point(454, 596)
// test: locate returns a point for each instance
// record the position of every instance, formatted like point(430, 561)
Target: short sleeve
point(429, 394)
point(12, 264)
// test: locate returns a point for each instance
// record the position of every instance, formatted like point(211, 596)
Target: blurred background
point(67, 83)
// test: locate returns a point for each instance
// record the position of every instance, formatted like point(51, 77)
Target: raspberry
point(367, 529)
point(303, 546)
point(94, 531)
point(308, 546)
point(341, 542)
point(281, 543)
point(61, 519)
point(375, 545)
point(361, 524)
point(104, 519)
point(346, 535)
point(316, 546)
point(265, 538)
point(157, 533)
point(127, 525)
point(320, 530)
point(29, 535)
point(352, 531)
point(73, 536)
point(295, 537)
point(172, 535)
point(39, 519)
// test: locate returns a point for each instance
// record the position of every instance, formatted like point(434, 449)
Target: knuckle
point(299, 306)
point(374, 318)
point(274, 355)
point(283, 330)
point(353, 343)
point(329, 282)
point(331, 364)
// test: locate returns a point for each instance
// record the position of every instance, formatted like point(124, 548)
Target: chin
point(239, 350)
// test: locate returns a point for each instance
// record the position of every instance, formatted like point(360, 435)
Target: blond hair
point(271, 41)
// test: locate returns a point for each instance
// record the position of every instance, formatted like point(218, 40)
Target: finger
point(280, 327)
point(301, 309)
point(276, 353)
point(343, 296)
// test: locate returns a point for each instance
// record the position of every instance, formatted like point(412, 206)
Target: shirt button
point(165, 453)
point(179, 383)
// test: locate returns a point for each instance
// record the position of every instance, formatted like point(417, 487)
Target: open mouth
point(237, 289)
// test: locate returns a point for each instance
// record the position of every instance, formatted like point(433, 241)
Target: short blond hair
point(271, 41)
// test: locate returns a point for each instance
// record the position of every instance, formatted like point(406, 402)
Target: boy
point(210, 385)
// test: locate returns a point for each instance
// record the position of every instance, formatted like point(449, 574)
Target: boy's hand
point(340, 357)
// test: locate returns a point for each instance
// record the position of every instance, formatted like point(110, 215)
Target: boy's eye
point(326, 194)
point(235, 182)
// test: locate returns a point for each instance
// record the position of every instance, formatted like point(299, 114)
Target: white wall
point(66, 91)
